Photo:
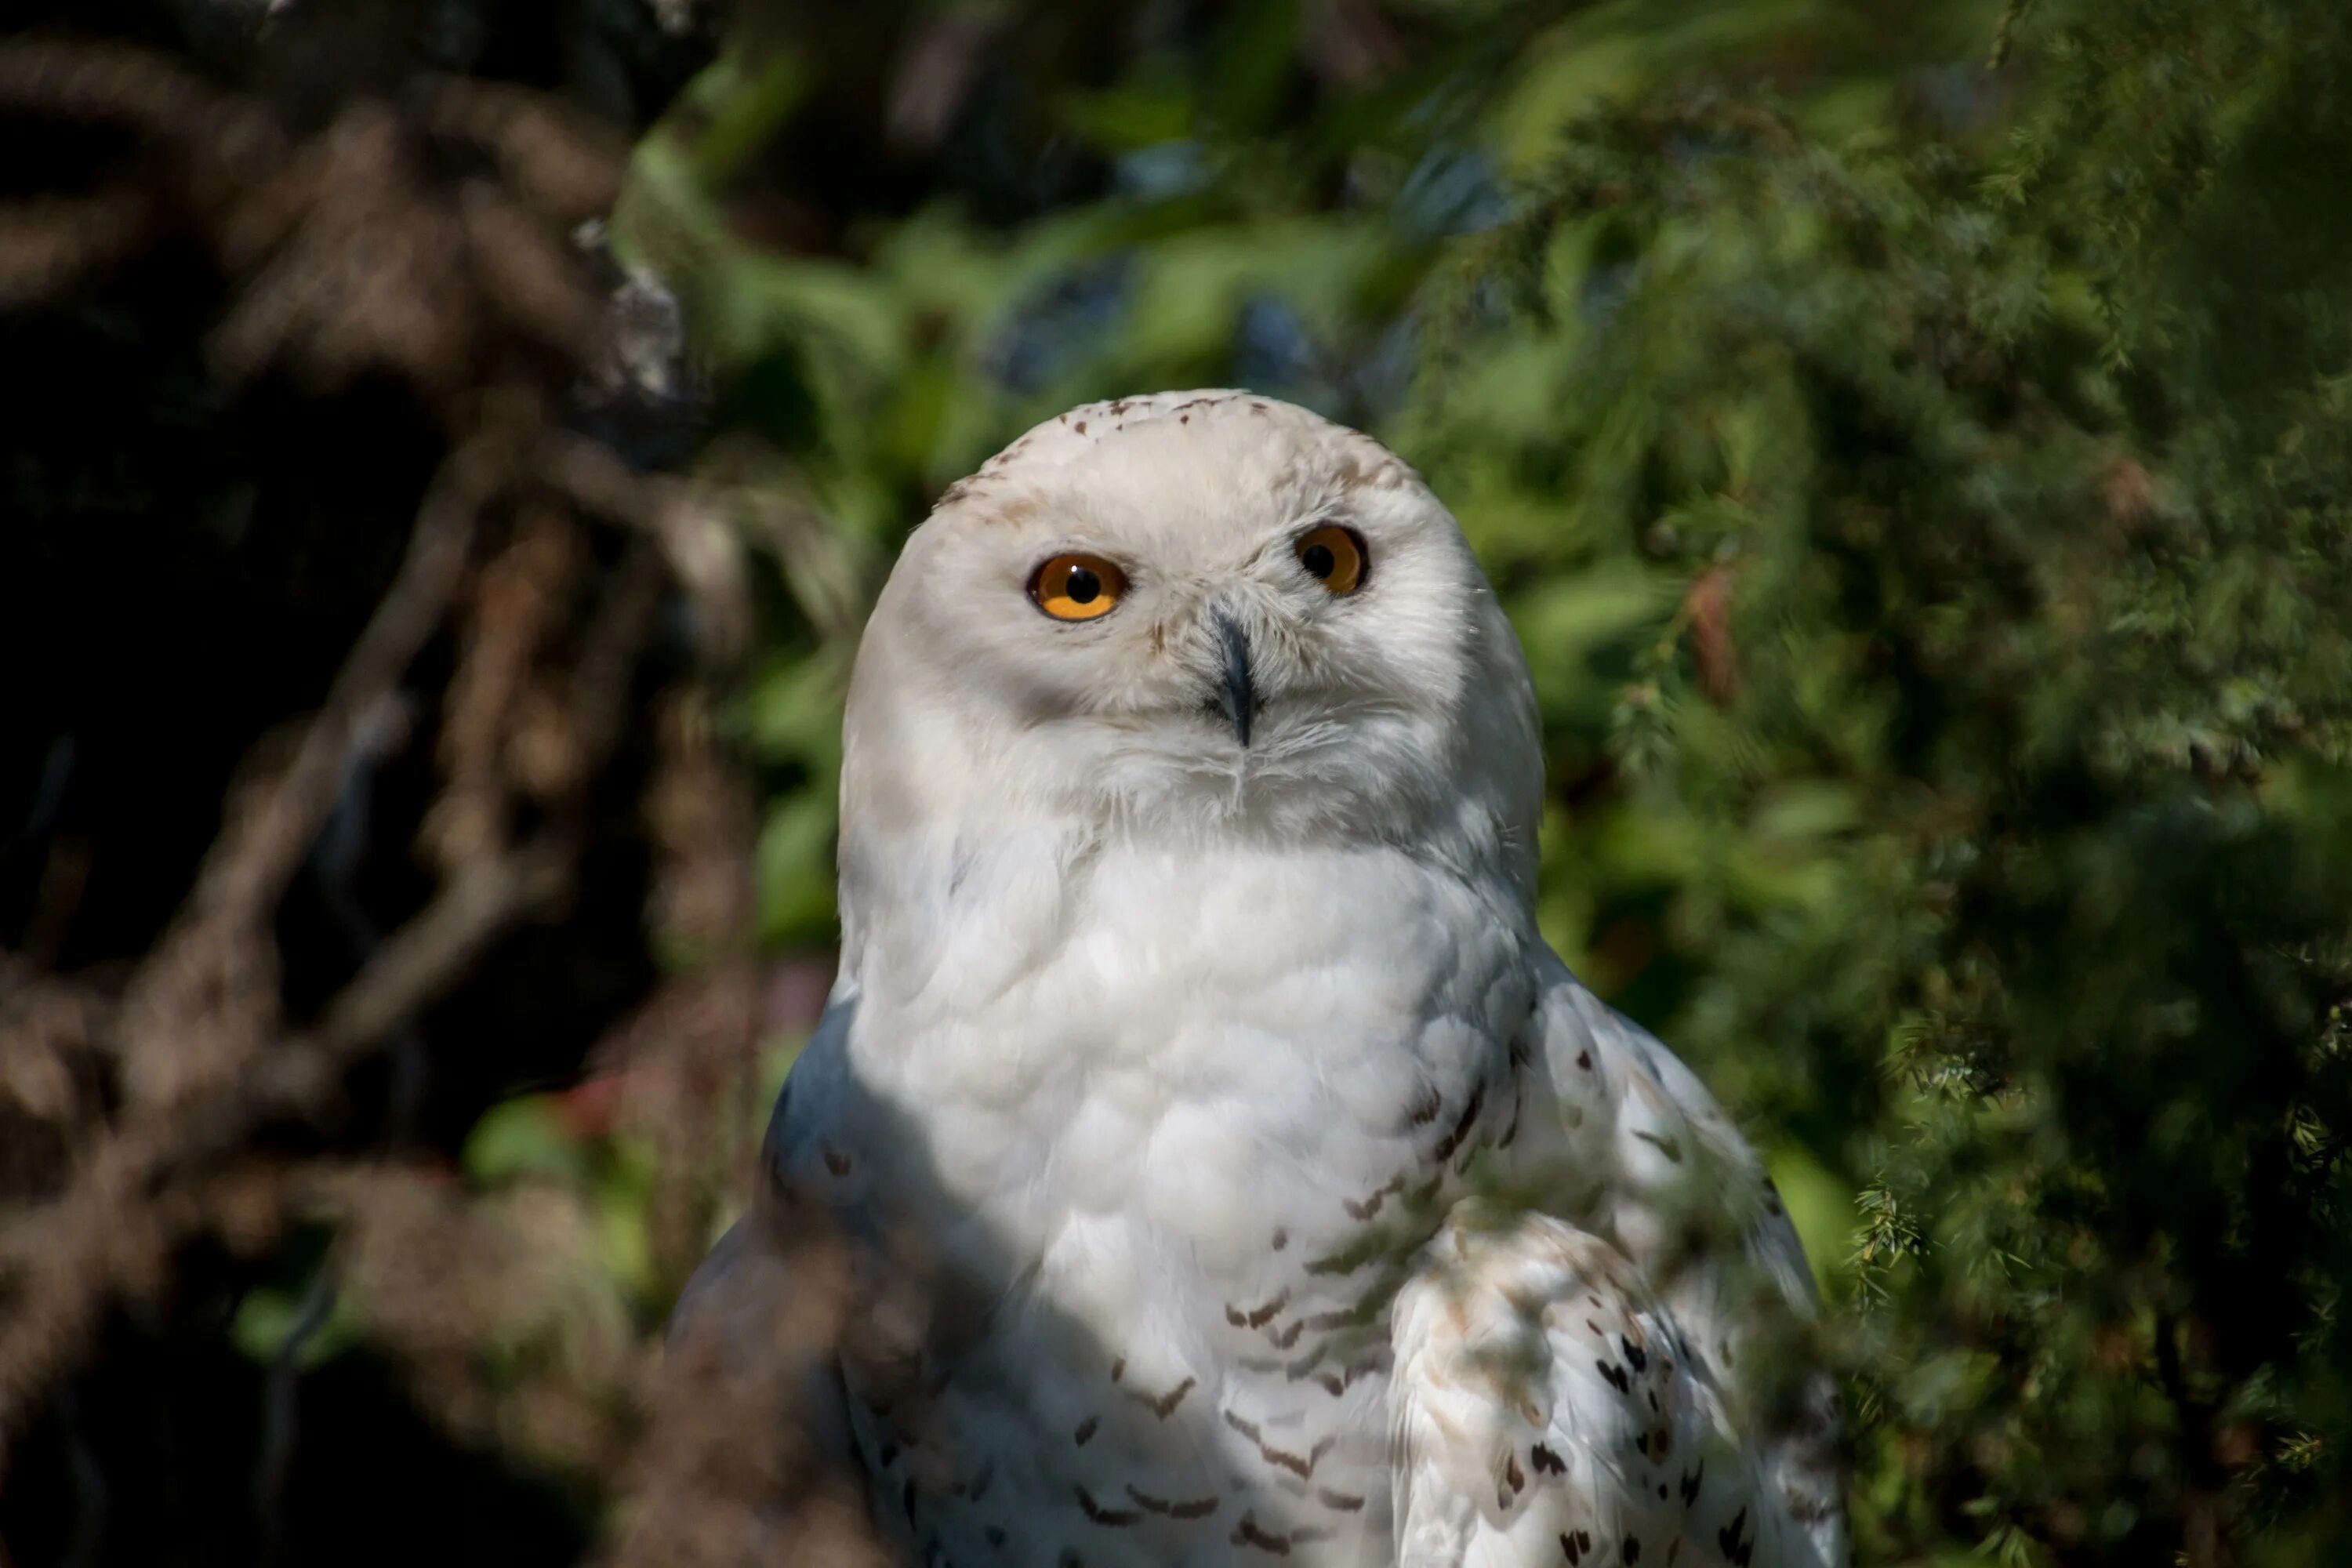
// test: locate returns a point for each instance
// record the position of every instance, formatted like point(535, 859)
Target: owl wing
point(750, 1351)
point(1601, 1389)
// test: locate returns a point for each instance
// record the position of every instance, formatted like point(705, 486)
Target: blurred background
point(449, 446)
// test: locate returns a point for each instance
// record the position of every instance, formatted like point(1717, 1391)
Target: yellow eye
point(1078, 588)
point(1335, 557)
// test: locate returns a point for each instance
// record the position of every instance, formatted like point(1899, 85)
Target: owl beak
point(1236, 695)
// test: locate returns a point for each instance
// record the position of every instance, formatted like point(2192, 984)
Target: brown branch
point(591, 477)
point(103, 83)
point(567, 168)
point(49, 244)
point(702, 553)
point(423, 958)
point(250, 866)
point(127, 1204)
point(537, 284)
point(225, 142)
point(109, 1233)
point(602, 684)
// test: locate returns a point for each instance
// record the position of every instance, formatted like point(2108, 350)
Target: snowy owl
point(1282, 1196)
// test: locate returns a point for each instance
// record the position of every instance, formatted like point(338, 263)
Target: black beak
point(1237, 695)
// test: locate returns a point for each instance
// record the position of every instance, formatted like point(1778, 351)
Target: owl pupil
point(1083, 587)
point(1318, 559)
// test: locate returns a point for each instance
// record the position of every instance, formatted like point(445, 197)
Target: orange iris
point(1333, 556)
point(1078, 588)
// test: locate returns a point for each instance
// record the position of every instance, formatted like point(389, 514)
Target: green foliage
point(2032, 610)
point(1921, 490)
point(1972, 805)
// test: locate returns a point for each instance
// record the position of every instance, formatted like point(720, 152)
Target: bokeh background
point(449, 446)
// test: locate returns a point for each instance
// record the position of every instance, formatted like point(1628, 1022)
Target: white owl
point(1280, 1196)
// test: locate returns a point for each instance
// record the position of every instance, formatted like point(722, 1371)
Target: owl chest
point(1203, 1043)
point(1184, 1157)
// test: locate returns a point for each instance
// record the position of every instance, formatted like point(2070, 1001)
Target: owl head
point(1190, 616)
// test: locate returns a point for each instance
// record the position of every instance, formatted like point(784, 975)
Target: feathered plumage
point(1277, 1194)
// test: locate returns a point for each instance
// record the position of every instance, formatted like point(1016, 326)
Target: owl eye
point(1078, 588)
point(1335, 557)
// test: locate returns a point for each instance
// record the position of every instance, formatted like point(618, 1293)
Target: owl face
point(1188, 613)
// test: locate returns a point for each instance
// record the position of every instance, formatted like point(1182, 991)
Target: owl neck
point(950, 829)
point(989, 901)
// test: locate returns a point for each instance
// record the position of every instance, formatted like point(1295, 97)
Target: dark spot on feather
point(1667, 1146)
point(1086, 1430)
point(1349, 1258)
point(1165, 1406)
point(1727, 1540)
point(1370, 1207)
point(1452, 1140)
point(1547, 1461)
point(1248, 1533)
point(1303, 1468)
point(1256, 1318)
point(1174, 1507)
